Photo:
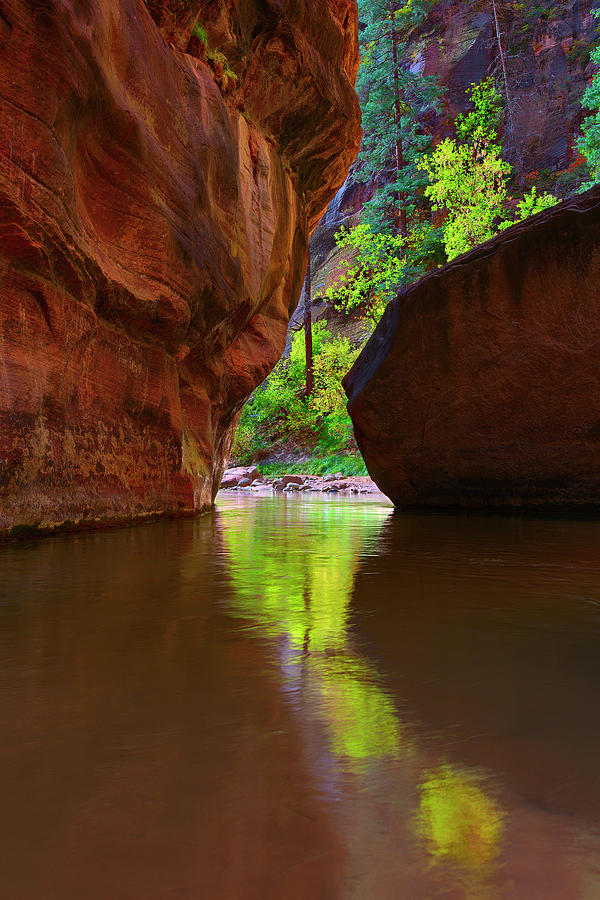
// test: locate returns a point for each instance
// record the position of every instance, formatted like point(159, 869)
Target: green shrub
point(200, 33)
point(279, 411)
point(347, 464)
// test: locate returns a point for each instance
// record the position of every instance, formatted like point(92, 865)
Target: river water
point(301, 698)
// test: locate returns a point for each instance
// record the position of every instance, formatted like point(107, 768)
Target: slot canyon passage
point(292, 693)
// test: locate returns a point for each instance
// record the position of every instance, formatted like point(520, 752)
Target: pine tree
point(395, 98)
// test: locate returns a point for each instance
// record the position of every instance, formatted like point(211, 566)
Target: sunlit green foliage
point(468, 182)
point(457, 820)
point(379, 264)
point(469, 179)
point(279, 410)
point(533, 203)
point(368, 283)
point(589, 141)
point(483, 122)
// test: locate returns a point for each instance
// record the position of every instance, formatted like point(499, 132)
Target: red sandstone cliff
point(479, 386)
point(156, 195)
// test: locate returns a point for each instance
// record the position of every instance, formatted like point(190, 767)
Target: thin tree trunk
point(308, 342)
point(502, 60)
point(401, 211)
point(509, 106)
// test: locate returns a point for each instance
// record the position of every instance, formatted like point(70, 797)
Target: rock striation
point(547, 57)
point(480, 386)
point(161, 167)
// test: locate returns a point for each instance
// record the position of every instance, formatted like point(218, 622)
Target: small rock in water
point(244, 482)
point(282, 482)
point(234, 476)
point(292, 486)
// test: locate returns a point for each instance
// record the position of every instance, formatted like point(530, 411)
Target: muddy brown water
point(302, 698)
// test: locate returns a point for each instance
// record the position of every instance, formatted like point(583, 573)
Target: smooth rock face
point(154, 217)
point(480, 385)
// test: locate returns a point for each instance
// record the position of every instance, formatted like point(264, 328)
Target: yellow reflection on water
point(293, 576)
point(457, 820)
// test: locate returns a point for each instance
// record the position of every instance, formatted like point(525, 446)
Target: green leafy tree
point(468, 181)
point(371, 275)
point(533, 203)
point(469, 178)
point(378, 264)
point(280, 409)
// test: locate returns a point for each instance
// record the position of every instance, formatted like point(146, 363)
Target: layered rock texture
point(161, 168)
point(480, 385)
point(546, 47)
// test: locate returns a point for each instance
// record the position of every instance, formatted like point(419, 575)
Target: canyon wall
point(546, 47)
point(547, 54)
point(161, 168)
point(479, 387)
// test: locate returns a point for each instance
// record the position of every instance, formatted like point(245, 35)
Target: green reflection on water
point(362, 718)
point(458, 821)
point(294, 576)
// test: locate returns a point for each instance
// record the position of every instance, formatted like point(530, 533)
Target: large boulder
point(480, 387)
point(161, 167)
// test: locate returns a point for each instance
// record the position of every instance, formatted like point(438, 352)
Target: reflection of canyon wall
point(130, 697)
point(471, 619)
point(155, 203)
point(479, 385)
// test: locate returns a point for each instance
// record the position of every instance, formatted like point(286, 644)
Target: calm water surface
point(301, 698)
